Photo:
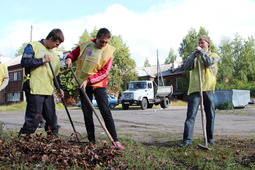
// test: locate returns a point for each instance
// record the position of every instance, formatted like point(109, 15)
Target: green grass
point(22, 106)
point(227, 155)
point(178, 103)
point(14, 107)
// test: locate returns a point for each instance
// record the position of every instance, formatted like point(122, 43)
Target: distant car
point(112, 102)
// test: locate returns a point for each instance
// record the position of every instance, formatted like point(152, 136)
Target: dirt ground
point(149, 125)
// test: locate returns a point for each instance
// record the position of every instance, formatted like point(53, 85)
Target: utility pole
point(31, 33)
point(159, 70)
point(157, 67)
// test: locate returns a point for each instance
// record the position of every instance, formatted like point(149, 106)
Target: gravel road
point(144, 125)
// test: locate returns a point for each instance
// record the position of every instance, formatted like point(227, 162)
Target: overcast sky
point(145, 25)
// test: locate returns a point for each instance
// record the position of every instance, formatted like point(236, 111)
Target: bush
point(225, 106)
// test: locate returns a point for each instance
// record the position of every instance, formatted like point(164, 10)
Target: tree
point(226, 63)
point(146, 62)
point(21, 49)
point(123, 67)
point(171, 57)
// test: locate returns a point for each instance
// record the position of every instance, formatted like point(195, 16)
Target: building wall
point(13, 91)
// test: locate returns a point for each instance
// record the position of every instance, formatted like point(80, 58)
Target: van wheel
point(125, 106)
point(144, 104)
point(164, 103)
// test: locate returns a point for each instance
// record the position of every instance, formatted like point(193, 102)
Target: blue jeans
point(209, 107)
point(102, 102)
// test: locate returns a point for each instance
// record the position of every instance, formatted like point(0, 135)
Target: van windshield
point(137, 85)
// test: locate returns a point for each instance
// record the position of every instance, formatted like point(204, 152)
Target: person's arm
point(101, 74)
point(72, 57)
point(189, 62)
point(208, 60)
point(5, 81)
point(28, 60)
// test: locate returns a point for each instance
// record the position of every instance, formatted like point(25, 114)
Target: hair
point(103, 32)
point(205, 38)
point(56, 34)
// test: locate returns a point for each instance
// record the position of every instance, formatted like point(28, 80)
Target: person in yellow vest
point(209, 71)
point(93, 63)
point(4, 76)
point(39, 84)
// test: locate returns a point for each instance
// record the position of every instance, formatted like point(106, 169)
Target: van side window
point(149, 85)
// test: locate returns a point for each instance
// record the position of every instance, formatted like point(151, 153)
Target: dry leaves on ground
point(36, 149)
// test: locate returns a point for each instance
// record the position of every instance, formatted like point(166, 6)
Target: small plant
point(225, 106)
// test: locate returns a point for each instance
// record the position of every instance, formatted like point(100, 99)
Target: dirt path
point(150, 124)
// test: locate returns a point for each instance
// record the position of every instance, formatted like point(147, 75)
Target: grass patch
point(22, 106)
point(225, 106)
point(14, 107)
point(178, 103)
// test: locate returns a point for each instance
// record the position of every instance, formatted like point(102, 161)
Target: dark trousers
point(39, 106)
point(209, 107)
point(102, 102)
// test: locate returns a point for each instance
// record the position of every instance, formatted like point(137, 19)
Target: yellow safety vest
point(91, 60)
point(41, 78)
point(208, 76)
point(3, 69)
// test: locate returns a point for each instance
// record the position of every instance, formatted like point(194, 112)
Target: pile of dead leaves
point(36, 149)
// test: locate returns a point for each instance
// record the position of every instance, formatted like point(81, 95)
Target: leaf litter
point(48, 150)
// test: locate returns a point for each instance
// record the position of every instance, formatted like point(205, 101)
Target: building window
point(11, 76)
point(19, 76)
point(180, 82)
point(15, 76)
point(13, 97)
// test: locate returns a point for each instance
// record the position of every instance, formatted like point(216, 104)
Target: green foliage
point(21, 49)
point(123, 67)
point(171, 57)
point(67, 83)
point(225, 106)
point(146, 62)
point(237, 64)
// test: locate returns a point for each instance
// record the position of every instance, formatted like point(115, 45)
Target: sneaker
point(184, 144)
point(118, 145)
point(211, 142)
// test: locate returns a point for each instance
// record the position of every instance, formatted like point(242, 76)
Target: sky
point(144, 25)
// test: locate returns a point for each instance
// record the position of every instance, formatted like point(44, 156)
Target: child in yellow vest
point(209, 70)
point(38, 83)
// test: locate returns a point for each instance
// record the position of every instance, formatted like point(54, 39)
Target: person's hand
point(197, 50)
point(46, 58)
point(60, 93)
point(84, 84)
point(68, 62)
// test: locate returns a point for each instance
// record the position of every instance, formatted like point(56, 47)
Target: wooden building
point(13, 91)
